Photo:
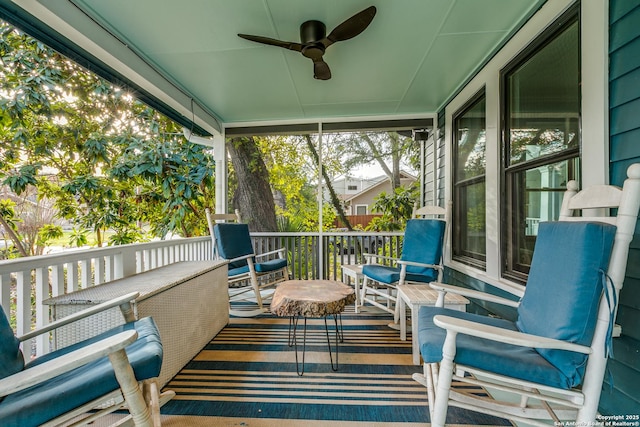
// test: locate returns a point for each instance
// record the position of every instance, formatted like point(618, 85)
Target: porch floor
point(247, 376)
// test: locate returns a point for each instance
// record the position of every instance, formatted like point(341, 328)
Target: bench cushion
point(45, 401)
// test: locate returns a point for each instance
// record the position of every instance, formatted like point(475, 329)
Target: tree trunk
point(332, 192)
point(253, 197)
point(14, 237)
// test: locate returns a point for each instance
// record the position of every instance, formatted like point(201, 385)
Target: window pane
point(471, 136)
point(541, 137)
point(544, 100)
point(537, 195)
point(471, 232)
point(469, 183)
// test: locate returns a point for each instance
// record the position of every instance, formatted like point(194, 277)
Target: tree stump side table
point(315, 299)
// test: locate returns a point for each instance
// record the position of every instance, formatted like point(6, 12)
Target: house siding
point(439, 154)
point(428, 183)
point(621, 392)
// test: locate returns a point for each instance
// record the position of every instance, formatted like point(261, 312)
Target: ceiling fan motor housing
point(312, 31)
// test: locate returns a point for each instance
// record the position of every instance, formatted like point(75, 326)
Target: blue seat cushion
point(45, 401)
point(505, 359)
point(238, 271)
point(564, 287)
point(270, 265)
point(423, 243)
point(11, 359)
point(233, 241)
point(390, 275)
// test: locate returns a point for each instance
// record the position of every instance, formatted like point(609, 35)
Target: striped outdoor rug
point(247, 376)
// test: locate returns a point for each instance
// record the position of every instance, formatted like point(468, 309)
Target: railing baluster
point(72, 276)
point(23, 303)
point(42, 311)
point(85, 272)
point(99, 271)
point(5, 291)
point(108, 268)
point(57, 280)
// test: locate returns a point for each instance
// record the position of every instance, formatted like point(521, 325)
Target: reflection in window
point(469, 236)
point(541, 89)
point(538, 195)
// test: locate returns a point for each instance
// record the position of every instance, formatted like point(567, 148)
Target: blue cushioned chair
point(553, 357)
point(71, 382)
point(420, 261)
point(249, 274)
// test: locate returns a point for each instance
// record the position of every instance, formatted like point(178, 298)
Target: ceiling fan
point(314, 41)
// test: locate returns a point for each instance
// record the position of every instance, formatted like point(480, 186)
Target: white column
point(222, 167)
point(320, 200)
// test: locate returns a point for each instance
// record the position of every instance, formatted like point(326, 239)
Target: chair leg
point(363, 291)
point(443, 385)
point(130, 389)
point(591, 388)
point(256, 290)
point(254, 283)
point(429, 373)
point(152, 396)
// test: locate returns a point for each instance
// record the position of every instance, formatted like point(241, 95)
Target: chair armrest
point(505, 335)
point(419, 264)
point(470, 293)
point(80, 315)
point(240, 258)
point(277, 251)
point(388, 258)
point(52, 368)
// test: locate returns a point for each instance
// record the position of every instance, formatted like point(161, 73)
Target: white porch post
point(320, 203)
point(220, 159)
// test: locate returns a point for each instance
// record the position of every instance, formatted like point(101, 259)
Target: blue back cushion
point(423, 243)
point(233, 241)
point(564, 287)
point(11, 360)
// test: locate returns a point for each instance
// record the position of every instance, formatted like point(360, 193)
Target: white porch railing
point(26, 282)
point(29, 281)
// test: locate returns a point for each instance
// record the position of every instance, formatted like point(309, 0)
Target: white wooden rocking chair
point(232, 242)
point(554, 357)
point(112, 371)
point(419, 263)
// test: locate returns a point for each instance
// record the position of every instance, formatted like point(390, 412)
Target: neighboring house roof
point(376, 187)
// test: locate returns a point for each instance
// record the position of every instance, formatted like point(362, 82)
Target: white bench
point(189, 301)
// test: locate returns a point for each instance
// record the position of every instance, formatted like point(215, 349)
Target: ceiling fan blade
point(321, 70)
point(272, 42)
point(352, 26)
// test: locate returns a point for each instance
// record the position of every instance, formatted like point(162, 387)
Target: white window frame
point(366, 209)
point(594, 109)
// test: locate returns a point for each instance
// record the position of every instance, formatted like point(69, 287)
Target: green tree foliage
point(396, 209)
point(389, 150)
point(107, 161)
point(291, 172)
